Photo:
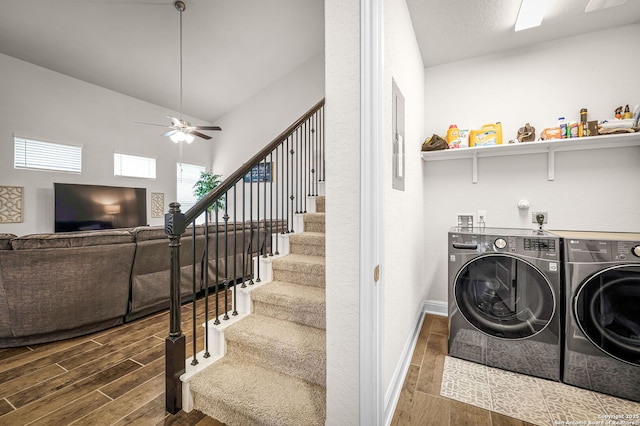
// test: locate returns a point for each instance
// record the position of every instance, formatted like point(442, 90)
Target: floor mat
point(538, 401)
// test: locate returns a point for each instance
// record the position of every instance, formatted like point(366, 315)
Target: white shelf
point(539, 147)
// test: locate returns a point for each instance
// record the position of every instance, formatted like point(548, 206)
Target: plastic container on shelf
point(453, 136)
point(489, 134)
point(562, 124)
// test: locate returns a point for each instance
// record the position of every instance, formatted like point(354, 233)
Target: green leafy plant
point(207, 182)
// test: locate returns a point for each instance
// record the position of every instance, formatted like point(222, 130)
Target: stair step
point(289, 348)
point(301, 304)
point(314, 222)
point(308, 243)
point(237, 392)
point(300, 269)
point(320, 204)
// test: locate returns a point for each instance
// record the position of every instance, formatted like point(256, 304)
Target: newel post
point(175, 343)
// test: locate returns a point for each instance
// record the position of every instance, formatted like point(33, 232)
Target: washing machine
point(602, 325)
point(504, 299)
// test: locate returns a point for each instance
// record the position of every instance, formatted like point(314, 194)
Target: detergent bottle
point(453, 136)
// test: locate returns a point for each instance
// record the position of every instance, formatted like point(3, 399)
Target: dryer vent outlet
point(534, 217)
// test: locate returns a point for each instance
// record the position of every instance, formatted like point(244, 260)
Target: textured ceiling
point(232, 49)
point(454, 30)
point(235, 48)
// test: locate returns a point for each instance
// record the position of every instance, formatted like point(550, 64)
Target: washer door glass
point(504, 296)
point(607, 309)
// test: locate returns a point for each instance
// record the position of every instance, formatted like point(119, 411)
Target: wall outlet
point(482, 217)
point(534, 217)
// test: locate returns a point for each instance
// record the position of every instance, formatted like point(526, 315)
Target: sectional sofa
point(63, 285)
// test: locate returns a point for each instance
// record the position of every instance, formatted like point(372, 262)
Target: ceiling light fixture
point(530, 14)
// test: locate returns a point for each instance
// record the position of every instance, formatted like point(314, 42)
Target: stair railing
point(262, 198)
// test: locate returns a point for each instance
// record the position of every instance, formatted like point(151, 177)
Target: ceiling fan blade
point(201, 135)
point(174, 121)
point(170, 132)
point(207, 127)
point(150, 124)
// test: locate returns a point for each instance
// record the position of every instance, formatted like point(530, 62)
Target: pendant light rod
point(180, 6)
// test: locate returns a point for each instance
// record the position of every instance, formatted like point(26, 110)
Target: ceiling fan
point(179, 129)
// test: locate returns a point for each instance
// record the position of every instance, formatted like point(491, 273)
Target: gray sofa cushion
point(5, 241)
point(71, 239)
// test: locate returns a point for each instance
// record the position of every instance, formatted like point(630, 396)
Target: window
point(39, 155)
point(133, 166)
point(188, 175)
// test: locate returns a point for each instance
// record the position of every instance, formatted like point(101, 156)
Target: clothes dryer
point(504, 288)
point(602, 326)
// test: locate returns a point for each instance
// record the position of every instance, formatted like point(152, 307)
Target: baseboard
point(395, 387)
point(436, 307)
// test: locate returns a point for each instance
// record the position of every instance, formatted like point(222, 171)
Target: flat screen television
point(91, 207)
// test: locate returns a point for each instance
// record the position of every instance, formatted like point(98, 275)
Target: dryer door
point(607, 310)
point(504, 296)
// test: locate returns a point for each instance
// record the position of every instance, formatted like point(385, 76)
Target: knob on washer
point(502, 243)
point(636, 251)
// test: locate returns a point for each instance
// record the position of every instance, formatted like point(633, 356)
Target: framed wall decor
point(260, 173)
point(11, 204)
point(157, 204)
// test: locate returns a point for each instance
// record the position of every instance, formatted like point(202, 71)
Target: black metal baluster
point(259, 248)
point(251, 227)
point(194, 361)
point(244, 239)
point(277, 177)
point(205, 270)
point(322, 145)
point(217, 279)
point(264, 179)
point(235, 251)
point(314, 169)
point(294, 174)
point(226, 258)
point(271, 205)
point(305, 167)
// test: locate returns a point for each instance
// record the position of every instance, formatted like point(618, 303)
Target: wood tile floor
point(115, 377)
point(420, 402)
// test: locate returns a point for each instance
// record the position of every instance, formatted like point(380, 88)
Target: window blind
point(40, 155)
point(134, 166)
point(188, 175)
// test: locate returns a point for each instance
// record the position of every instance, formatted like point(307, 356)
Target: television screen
point(91, 207)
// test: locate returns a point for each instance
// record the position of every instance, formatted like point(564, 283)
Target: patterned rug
point(538, 401)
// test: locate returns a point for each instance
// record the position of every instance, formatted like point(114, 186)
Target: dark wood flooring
point(420, 403)
point(115, 377)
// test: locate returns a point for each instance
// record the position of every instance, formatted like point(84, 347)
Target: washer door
point(607, 310)
point(504, 296)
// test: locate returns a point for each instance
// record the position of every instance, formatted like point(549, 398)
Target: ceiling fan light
point(189, 137)
point(177, 137)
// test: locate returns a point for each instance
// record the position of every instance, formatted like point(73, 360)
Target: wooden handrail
point(228, 183)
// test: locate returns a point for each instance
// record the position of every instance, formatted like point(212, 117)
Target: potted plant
point(207, 182)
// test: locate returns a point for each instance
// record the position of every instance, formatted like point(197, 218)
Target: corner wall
point(592, 190)
point(405, 288)
point(342, 142)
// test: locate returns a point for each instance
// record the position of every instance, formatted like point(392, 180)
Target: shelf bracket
point(474, 175)
point(551, 168)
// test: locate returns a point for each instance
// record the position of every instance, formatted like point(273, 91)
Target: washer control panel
point(540, 244)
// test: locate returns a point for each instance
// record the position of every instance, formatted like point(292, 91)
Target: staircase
point(273, 371)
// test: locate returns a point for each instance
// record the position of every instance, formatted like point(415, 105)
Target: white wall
point(254, 124)
point(592, 190)
point(342, 139)
point(405, 288)
point(41, 104)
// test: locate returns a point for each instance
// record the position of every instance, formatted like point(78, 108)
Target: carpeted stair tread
point(302, 304)
point(284, 346)
point(238, 392)
point(320, 204)
point(314, 222)
point(300, 269)
point(309, 243)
